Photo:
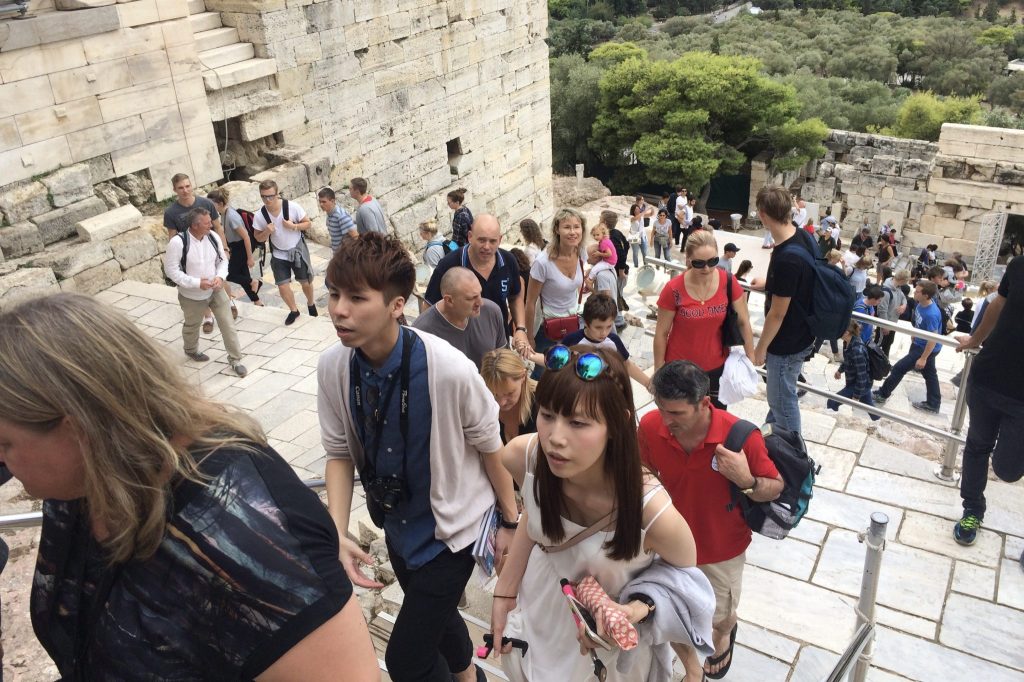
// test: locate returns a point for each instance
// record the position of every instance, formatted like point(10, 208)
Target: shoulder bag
point(557, 328)
point(731, 335)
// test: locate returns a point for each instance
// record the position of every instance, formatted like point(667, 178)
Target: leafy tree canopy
point(922, 114)
point(698, 116)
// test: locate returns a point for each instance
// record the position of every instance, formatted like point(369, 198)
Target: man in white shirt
point(195, 261)
point(800, 213)
point(283, 223)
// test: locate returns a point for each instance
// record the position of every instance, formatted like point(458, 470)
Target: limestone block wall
point(117, 86)
point(417, 96)
point(932, 192)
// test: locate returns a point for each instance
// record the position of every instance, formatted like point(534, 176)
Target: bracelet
point(504, 596)
point(522, 329)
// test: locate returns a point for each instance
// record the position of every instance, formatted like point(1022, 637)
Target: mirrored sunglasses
point(588, 366)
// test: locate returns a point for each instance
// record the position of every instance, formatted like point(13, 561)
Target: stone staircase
point(230, 66)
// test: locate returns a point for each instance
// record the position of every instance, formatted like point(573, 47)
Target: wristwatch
point(646, 601)
point(521, 329)
point(507, 525)
point(750, 490)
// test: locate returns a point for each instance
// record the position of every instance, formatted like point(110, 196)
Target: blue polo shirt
point(502, 284)
point(410, 528)
point(928, 319)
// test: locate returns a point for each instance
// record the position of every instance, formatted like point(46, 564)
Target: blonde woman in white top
point(556, 276)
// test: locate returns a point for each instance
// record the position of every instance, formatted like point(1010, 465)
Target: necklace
point(704, 294)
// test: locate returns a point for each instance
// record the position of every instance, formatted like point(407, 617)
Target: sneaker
point(965, 532)
point(292, 316)
point(312, 311)
point(878, 397)
point(957, 379)
point(198, 356)
point(924, 407)
point(240, 369)
point(208, 325)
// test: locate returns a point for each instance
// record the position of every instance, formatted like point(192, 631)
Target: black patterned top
point(248, 567)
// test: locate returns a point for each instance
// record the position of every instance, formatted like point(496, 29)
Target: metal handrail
point(947, 470)
point(35, 519)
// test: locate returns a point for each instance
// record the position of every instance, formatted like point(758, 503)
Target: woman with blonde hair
point(176, 543)
point(556, 282)
point(692, 312)
point(508, 380)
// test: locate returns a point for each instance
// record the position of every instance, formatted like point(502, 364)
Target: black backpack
point(247, 218)
point(832, 298)
point(878, 365)
point(284, 214)
point(789, 454)
point(621, 248)
point(184, 249)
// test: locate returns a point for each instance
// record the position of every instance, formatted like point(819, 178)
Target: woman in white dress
point(581, 469)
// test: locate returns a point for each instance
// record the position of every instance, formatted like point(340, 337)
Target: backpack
point(284, 214)
point(621, 248)
point(945, 314)
point(788, 452)
point(832, 297)
point(184, 250)
point(878, 365)
point(247, 218)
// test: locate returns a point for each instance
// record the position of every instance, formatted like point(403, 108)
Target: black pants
point(715, 375)
point(430, 641)
point(997, 429)
point(884, 339)
point(238, 270)
point(677, 229)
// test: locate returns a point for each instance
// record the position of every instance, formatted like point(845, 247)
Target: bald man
point(470, 323)
point(496, 270)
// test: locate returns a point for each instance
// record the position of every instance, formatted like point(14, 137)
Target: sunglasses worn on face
point(588, 366)
point(268, 197)
point(700, 264)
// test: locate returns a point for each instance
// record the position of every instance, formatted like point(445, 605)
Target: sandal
point(715, 660)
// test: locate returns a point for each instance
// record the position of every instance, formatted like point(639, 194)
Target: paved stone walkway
point(945, 611)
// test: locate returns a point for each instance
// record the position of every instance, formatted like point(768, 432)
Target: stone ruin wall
point(932, 192)
point(102, 104)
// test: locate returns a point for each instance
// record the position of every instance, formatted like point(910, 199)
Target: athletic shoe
point(878, 397)
point(208, 325)
point(312, 311)
point(292, 316)
point(965, 532)
point(240, 369)
point(198, 356)
point(924, 407)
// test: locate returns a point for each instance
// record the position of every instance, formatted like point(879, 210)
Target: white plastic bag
point(739, 378)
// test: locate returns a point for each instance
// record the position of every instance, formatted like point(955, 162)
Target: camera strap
point(408, 340)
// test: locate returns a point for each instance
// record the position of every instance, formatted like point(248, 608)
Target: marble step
point(204, 21)
point(226, 54)
point(216, 37)
point(239, 72)
point(196, 6)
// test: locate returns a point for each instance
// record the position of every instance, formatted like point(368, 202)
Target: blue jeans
point(662, 247)
point(848, 392)
point(904, 365)
point(783, 404)
point(641, 247)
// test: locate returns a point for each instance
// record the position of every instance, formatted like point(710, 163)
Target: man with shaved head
point(495, 269)
point(463, 318)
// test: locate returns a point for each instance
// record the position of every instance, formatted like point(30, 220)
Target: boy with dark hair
point(339, 222)
point(429, 465)
point(284, 223)
point(922, 353)
point(598, 332)
point(965, 318)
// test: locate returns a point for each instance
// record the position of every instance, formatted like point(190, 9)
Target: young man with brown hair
point(921, 356)
point(284, 223)
point(413, 415)
point(369, 214)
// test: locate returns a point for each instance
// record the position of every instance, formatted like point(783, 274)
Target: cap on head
point(731, 247)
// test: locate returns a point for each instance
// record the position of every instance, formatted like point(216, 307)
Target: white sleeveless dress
point(542, 617)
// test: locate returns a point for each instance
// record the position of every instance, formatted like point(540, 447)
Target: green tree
point(574, 87)
point(696, 117)
point(922, 114)
point(1008, 91)
point(608, 55)
point(578, 36)
point(991, 13)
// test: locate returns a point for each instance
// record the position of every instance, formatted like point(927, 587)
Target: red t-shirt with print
point(696, 333)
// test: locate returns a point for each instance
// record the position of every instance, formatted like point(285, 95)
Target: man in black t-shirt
point(786, 338)
point(996, 400)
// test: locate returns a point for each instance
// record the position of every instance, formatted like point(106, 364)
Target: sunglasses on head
point(700, 264)
point(588, 366)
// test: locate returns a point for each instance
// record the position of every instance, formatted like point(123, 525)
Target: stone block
point(25, 95)
point(291, 178)
point(149, 67)
point(138, 186)
point(106, 138)
point(329, 16)
point(39, 61)
point(177, 32)
point(23, 200)
point(318, 171)
point(81, 4)
point(260, 123)
point(94, 280)
point(90, 80)
point(60, 223)
point(100, 168)
point(145, 154)
point(110, 224)
point(69, 184)
point(26, 283)
point(916, 168)
point(951, 244)
point(54, 27)
point(150, 271)
point(112, 195)
point(61, 119)
point(244, 194)
point(133, 248)
point(139, 12)
point(9, 136)
point(20, 239)
point(137, 99)
point(68, 261)
point(129, 41)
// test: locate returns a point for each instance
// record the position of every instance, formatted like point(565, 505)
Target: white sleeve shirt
point(204, 261)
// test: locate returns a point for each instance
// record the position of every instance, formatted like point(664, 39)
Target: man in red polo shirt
point(682, 443)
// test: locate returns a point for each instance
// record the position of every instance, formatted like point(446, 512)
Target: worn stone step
point(226, 54)
point(196, 6)
point(216, 37)
point(240, 72)
point(204, 21)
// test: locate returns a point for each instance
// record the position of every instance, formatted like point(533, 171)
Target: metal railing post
point(875, 541)
point(947, 472)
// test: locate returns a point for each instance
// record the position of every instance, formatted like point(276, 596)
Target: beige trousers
point(194, 311)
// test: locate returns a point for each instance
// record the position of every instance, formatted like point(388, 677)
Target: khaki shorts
point(726, 578)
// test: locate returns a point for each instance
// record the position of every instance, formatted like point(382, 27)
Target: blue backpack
point(832, 297)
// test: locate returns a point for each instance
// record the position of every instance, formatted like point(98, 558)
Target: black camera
point(383, 493)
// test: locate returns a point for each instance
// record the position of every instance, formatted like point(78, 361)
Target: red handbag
point(557, 328)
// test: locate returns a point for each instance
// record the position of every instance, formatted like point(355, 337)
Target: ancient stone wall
point(932, 192)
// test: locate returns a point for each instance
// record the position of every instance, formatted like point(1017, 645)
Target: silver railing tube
point(35, 519)
point(875, 541)
point(947, 472)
